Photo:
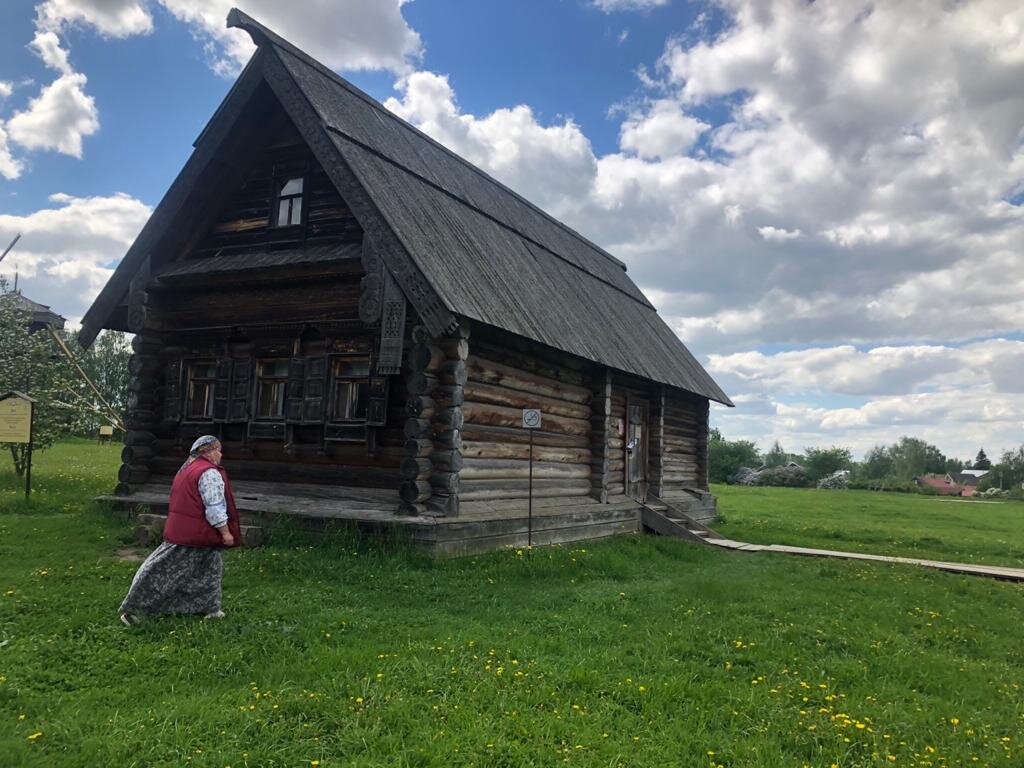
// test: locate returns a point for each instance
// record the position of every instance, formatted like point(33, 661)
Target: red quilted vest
point(186, 518)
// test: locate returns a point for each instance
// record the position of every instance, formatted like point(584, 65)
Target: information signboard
point(15, 418)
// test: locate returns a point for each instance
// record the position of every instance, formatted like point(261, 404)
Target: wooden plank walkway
point(668, 520)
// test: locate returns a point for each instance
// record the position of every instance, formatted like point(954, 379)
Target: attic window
point(289, 203)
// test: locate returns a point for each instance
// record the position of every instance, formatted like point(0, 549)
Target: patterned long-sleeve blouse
point(211, 490)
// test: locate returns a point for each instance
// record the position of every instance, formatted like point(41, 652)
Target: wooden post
point(28, 466)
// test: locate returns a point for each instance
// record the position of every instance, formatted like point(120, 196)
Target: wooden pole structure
point(529, 514)
point(7, 250)
point(70, 356)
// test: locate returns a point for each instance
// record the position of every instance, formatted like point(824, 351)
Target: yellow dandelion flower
point(35, 735)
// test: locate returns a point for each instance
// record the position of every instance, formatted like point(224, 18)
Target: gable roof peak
point(262, 35)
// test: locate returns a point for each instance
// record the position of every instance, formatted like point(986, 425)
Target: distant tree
point(1009, 472)
point(981, 461)
point(776, 456)
point(912, 457)
point(106, 363)
point(878, 463)
point(726, 456)
point(955, 465)
point(822, 462)
point(30, 364)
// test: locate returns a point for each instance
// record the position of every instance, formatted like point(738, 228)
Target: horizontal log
point(448, 396)
point(448, 440)
point(420, 406)
point(446, 461)
point(361, 469)
point(679, 477)
point(493, 394)
point(133, 474)
point(453, 373)
point(420, 383)
point(136, 454)
point(144, 384)
point(490, 450)
point(143, 344)
point(144, 365)
point(136, 437)
point(449, 418)
point(476, 490)
point(501, 416)
point(455, 349)
point(446, 482)
point(488, 372)
point(477, 469)
point(425, 357)
point(615, 489)
point(412, 492)
point(412, 468)
point(529, 361)
point(415, 428)
point(485, 433)
point(417, 447)
point(141, 420)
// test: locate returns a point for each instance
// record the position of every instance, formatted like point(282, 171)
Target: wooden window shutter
point(377, 404)
point(241, 389)
point(172, 391)
point(296, 380)
point(222, 390)
point(314, 392)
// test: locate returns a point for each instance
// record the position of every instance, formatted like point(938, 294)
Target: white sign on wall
point(531, 418)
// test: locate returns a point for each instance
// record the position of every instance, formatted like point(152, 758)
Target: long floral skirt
point(176, 579)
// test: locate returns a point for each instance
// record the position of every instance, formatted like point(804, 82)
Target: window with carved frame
point(350, 388)
point(202, 376)
point(271, 383)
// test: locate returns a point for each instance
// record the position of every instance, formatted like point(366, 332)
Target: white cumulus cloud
point(343, 34)
point(58, 118)
point(112, 18)
point(68, 250)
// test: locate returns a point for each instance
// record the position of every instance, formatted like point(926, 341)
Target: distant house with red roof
point(941, 484)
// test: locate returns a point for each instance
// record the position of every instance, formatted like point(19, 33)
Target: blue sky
point(823, 200)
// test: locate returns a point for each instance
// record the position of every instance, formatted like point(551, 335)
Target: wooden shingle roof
point(461, 243)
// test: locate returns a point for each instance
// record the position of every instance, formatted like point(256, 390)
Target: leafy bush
point(837, 481)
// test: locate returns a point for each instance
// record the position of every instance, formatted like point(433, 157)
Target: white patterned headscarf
point(202, 446)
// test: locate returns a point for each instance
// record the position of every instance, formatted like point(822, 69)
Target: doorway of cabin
point(637, 444)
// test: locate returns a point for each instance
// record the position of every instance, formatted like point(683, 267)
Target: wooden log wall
point(601, 427)
point(500, 382)
point(685, 441)
point(616, 484)
point(142, 420)
point(656, 446)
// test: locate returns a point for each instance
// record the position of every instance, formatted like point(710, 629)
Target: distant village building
point(40, 315)
point(361, 316)
point(967, 479)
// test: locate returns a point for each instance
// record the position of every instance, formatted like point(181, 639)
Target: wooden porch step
point(149, 530)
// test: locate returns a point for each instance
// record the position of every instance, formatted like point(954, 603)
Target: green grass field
point(639, 651)
point(880, 523)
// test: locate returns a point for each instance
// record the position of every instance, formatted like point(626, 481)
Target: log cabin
point(361, 316)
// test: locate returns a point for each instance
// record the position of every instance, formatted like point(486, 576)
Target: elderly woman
point(183, 574)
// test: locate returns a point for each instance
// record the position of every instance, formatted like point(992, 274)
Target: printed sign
point(15, 420)
point(531, 418)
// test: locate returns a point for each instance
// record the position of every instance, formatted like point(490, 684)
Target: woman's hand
point(227, 538)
